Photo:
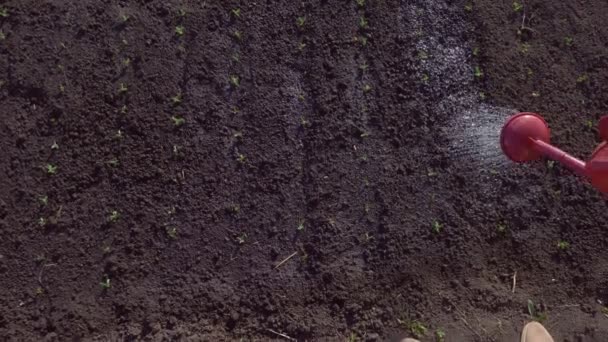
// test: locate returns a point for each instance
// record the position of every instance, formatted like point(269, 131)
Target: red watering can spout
point(526, 136)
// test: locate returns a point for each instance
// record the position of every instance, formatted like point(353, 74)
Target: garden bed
point(314, 170)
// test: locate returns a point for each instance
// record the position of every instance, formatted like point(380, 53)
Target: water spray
point(526, 137)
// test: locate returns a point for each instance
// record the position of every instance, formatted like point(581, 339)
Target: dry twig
point(285, 260)
point(282, 335)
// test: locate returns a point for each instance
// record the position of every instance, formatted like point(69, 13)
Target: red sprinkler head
point(517, 134)
point(525, 137)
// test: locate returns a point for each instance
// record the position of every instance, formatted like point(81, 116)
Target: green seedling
point(50, 169)
point(234, 209)
point(236, 58)
point(42, 222)
point(550, 164)
point(301, 225)
point(178, 121)
point(177, 99)
point(39, 291)
point(352, 337)
point(482, 96)
point(478, 73)
point(425, 77)
point(537, 316)
point(113, 162)
point(305, 123)
point(180, 30)
point(363, 23)
point(568, 41)
point(501, 228)
point(436, 227)
point(122, 88)
point(55, 146)
point(301, 46)
point(172, 233)
point(3, 12)
point(2, 35)
point(181, 12)
point(241, 239)
point(124, 18)
point(300, 21)
point(535, 94)
point(468, 7)
point(241, 158)
point(524, 48)
point(105, 284)
point(124, 109)
point(236, 12)
point(119, 135)
point(114, 216)
point(440, 335)
point(582, 78)
point(126, 62)
point(517, 6)
point(238, 35)
point(589, 124)
point(44, 200)
point(235, 81)
point(417, 329)
point(363, 67)
point(106, 249)
point(364, 134)
point(367, 88)
point(61, 88)
point(563, 245)
point(423, 55)
point(476, 51)
point(360, 3)
point(362, 40)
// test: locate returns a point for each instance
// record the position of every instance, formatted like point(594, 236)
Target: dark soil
point(255, 175)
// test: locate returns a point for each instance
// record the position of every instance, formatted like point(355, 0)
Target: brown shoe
point(535, 332)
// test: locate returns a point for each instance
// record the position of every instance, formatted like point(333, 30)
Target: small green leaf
point(51, 169)
point(517, 6)
point(300, 21)
point(178, 121)
point(478, 73)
